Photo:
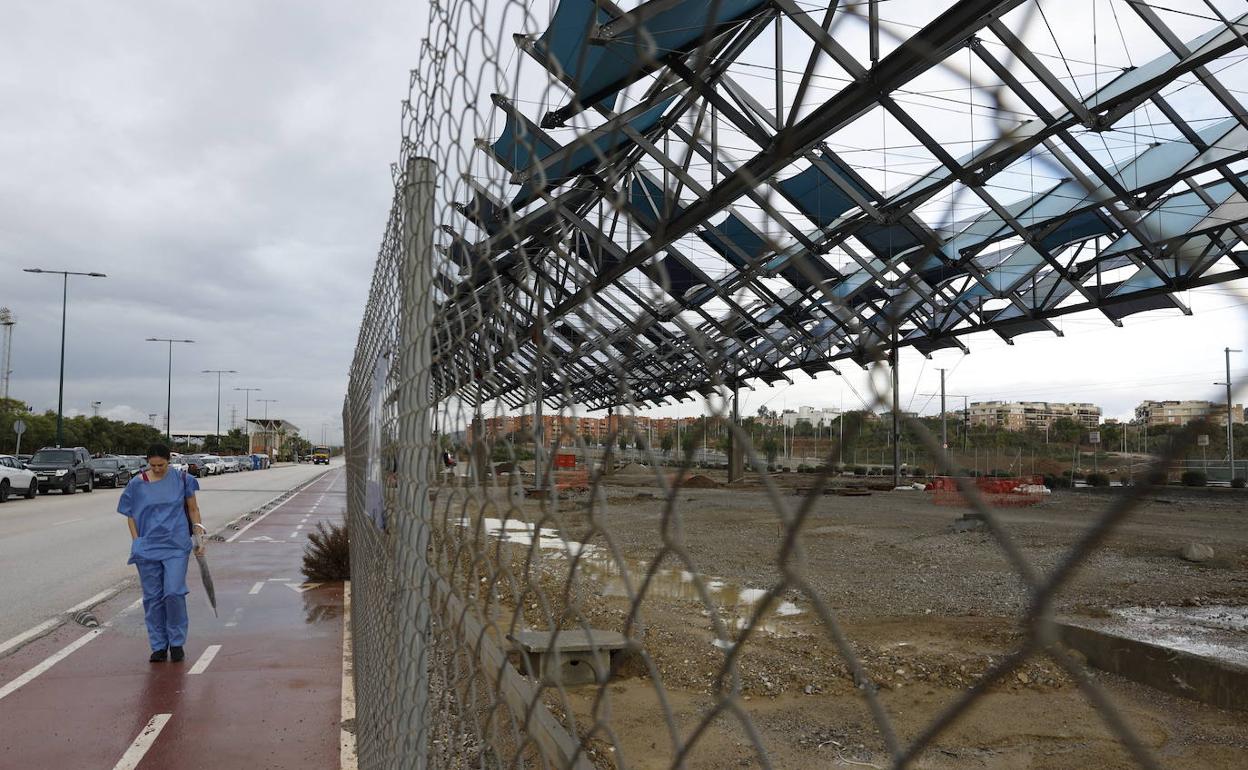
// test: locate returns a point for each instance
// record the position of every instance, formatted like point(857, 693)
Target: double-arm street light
point(219, 372)
point(1230, 414)
point(268, 429)
point(169, 394)
point(247, 414)
point(60, 391)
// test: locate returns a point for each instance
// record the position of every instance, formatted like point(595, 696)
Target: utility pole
point(944, 423)
point(896, 410)
point(1230, 414)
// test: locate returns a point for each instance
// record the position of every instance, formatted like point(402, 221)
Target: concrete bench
point(577, 656)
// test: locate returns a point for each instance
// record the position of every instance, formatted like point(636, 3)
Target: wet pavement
point(261, 686)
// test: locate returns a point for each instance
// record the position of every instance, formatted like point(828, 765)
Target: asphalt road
point(58, 550)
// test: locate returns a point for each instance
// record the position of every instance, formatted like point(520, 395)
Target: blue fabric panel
point(647, 199)
point(798, 278)
point(519, 148)
point(567, 41)
point(732, 230)
point(886, 241)
point(674, 275)
point(675, 29)
point(1077, 228)
point(818, 196)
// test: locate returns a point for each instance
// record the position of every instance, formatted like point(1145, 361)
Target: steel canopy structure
point(685, 194)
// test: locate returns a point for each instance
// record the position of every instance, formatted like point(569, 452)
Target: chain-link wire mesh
point(616, 207)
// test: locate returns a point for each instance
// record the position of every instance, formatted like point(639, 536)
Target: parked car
point(214, 464)
point(65, 468)
point(244, 462)
point(16, 479)
point(110, 472)
point(135, 463)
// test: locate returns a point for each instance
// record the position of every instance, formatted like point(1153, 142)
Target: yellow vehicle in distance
point(320, 455)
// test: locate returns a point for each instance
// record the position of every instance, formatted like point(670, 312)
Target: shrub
point(918, 472)
point(1237, 482)
point(1193, 479)
point(1053, 482)
point(327, 556)
point(1098, 480)
point(803, 468)
point(860, 470)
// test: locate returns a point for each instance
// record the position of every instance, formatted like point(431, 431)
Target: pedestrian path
point(261, 687)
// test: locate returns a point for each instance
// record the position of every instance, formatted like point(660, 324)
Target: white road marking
point(279, 580)
point(147, 736)
point(294, 535)
point(258, 519)
point(27, 635)
point(300, 526)
point(256, 588)
point(67, 521)
point(107, 593)
point(347, 757)
point(205, 659)
point(48, 663)
point(303, 587)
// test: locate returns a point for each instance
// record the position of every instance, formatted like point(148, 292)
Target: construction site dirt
point(926, 608)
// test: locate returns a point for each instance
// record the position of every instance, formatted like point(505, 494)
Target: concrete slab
point(1194, 652)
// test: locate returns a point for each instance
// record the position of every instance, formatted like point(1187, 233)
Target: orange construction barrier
point(1012, 492)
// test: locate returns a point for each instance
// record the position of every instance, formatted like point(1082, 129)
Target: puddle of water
point(1216, 631)
point(735, 602)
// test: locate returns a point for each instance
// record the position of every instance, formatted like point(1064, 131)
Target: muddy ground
point(925, 609)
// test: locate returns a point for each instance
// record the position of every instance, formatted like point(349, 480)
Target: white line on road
point(256, 589)
point(147, 736)
point(48, 663)
point(258, 519)
point(294, 535)
point(205, 659)
point(107, 593)
point(280, 580)
point(67, 521)
point(26, 636)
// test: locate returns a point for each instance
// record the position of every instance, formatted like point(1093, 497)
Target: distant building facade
point(1183, 412)
point(811, 416)
point(1025, 415)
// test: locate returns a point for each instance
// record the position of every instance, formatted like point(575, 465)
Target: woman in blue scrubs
point(163, 515)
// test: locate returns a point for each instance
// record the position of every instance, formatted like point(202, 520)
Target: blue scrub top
point(159, 512)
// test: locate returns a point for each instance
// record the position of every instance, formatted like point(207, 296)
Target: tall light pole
point(95, 408)
point(1230, 414)
point(218, 372)
point(60, 391)
point(268, 429)
point(6, 365)
point(169, 394)
point(247, 413)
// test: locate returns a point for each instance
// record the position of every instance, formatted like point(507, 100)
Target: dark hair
point(158, 450)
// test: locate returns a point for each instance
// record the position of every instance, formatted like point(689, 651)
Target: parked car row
point(213, 465)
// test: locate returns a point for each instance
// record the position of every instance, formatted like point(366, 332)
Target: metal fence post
point(416, 450)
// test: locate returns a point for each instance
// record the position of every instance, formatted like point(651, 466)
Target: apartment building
point(809, 415)
point(1025, 415)
point(1183, 412)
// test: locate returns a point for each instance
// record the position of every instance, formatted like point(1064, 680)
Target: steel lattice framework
point(692, 202)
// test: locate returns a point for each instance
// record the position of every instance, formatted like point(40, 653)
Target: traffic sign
point(19, 427)
point(1202, 440)
point(1094, 437)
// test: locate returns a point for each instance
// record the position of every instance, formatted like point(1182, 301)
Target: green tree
point(667, 442)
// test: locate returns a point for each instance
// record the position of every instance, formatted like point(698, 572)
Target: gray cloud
point(227, 165)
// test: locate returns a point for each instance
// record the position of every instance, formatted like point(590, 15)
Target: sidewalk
point(261, 686)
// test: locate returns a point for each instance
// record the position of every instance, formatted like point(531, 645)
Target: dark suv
point(63, 468)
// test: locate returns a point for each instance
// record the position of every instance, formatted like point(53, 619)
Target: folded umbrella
point(206, 578)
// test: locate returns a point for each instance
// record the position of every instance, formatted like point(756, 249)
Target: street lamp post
point(268, 429)
point(218, 372)
point(169, 393)
point(247, 413)
point(60, 392)
point(1230, 415)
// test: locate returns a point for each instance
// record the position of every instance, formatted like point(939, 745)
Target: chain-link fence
point(602, 210)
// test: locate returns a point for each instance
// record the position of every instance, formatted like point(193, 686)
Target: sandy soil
point(739, 623)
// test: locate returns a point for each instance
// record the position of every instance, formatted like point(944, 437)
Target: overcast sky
point(227, 165)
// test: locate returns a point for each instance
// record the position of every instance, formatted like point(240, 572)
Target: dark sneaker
point(158, 656)
point(176, 654)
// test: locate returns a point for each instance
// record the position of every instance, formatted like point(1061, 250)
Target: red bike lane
point(261, 685)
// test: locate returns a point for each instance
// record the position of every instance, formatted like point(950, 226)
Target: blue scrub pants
point(164, 600)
